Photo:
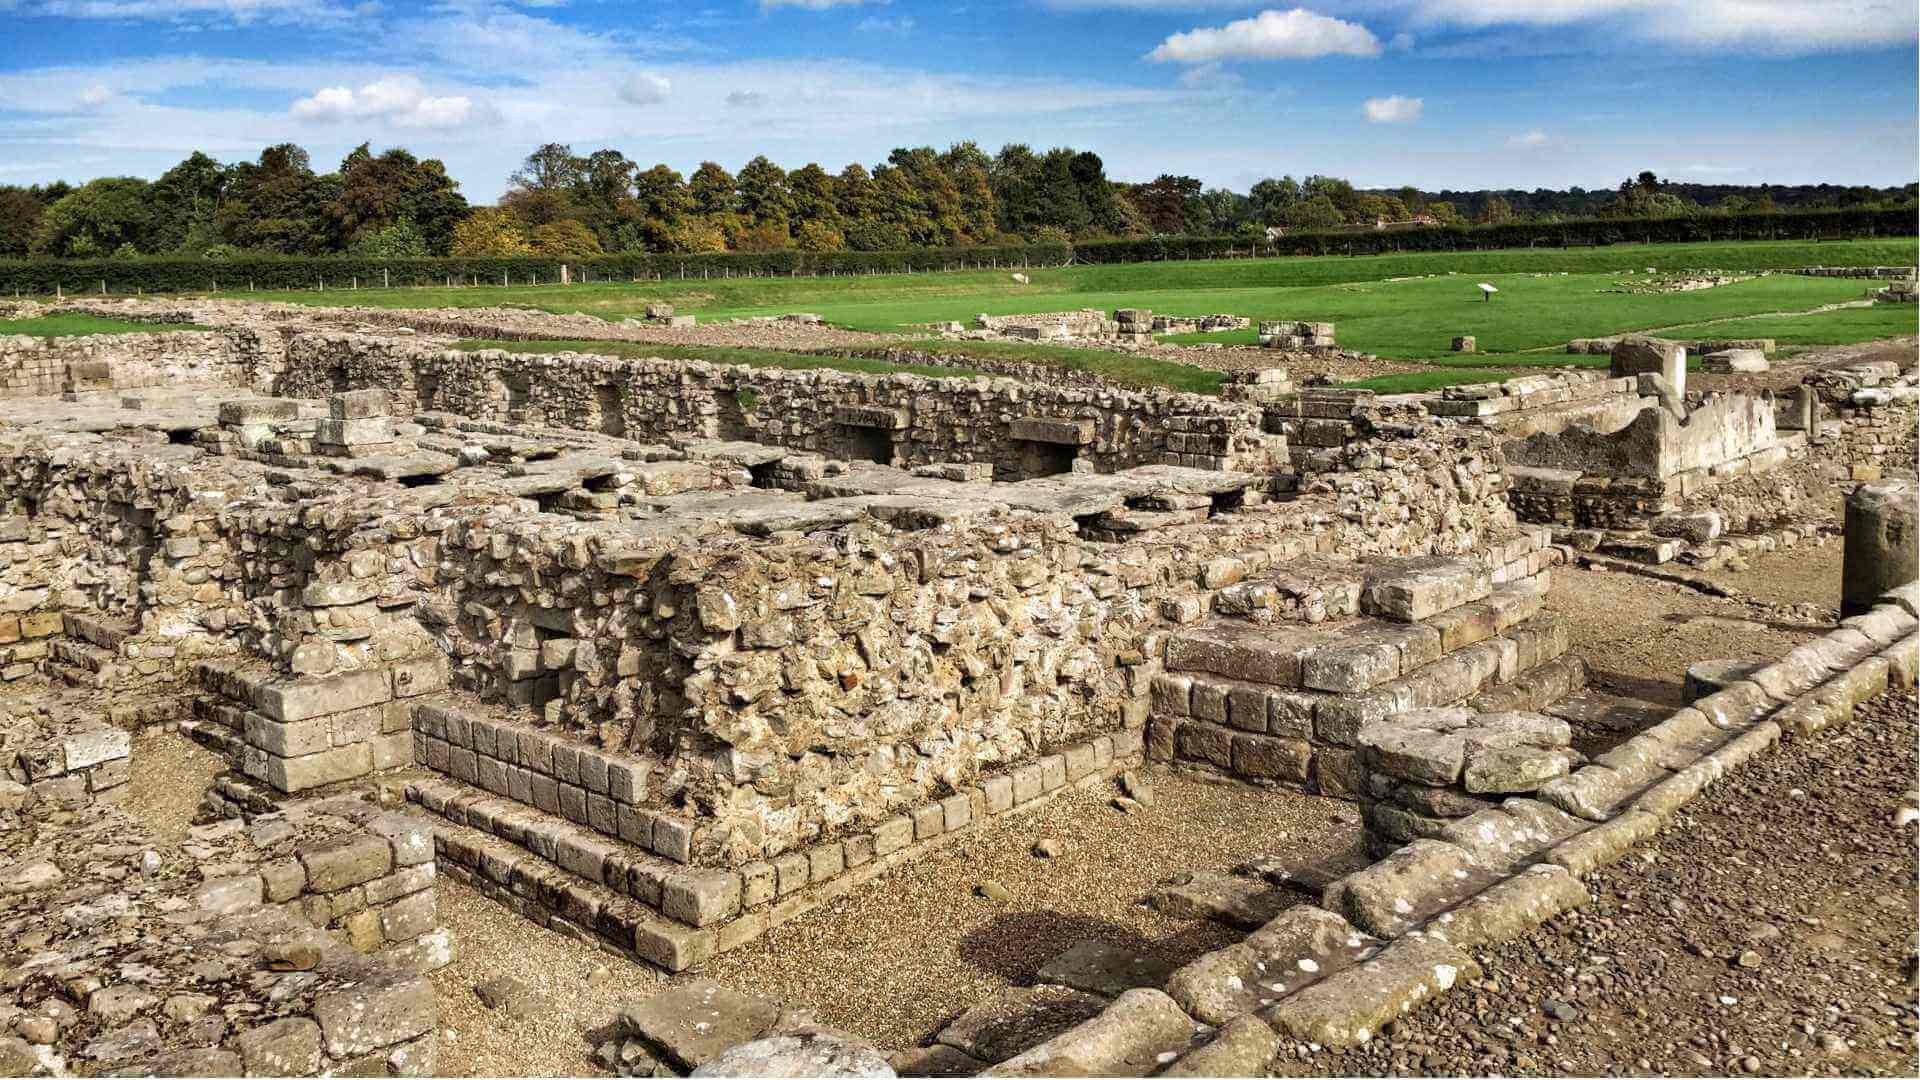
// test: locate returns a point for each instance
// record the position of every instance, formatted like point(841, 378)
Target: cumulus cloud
point(646, 88)
point(399, 99)
point(1298, 34)
point(1394, 110)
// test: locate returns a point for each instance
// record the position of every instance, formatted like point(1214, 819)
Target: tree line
point(567, 205)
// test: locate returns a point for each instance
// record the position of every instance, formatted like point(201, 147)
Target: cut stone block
point(1299, 948)
point(1510, 907)
point(1349, 1007)
point(1134, 1036)
point(1408, 887)
point(1223, 898)
point(1018, 1019)
point(1242, 1047)
point(1100, 967)
point(691, 1024)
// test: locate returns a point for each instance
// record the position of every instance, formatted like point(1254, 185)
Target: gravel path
point(1768, 930)
point(902, 956)
point(1638, 634)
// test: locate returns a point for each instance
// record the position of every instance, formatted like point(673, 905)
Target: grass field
point(75, 324)
point(888, 301)
point(1400, 307)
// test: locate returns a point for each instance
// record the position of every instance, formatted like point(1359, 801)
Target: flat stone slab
point(1408, 887)
point(694, 1023)
point(1100, 967)
point(1349, 1007)
point(814, 1053)
point(1016, 1020)
point(1223, 898)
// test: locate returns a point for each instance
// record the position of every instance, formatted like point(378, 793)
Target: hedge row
point(1784, 225)
point(163, 275)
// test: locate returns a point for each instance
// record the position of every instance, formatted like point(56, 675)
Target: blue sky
point(1436, 93)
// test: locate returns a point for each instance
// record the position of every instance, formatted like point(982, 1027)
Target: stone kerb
point(1416, 916)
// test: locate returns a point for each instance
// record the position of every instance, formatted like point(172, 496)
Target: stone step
point(551, 773)
point(1351, 654)
point(79, 654)
point(575, 881)
point(1305, 738)
point(1536, 689)
point(74, 675)
point(100, 630)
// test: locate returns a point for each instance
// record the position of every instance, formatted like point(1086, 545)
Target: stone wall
point(1022, 430)
point(42, 366)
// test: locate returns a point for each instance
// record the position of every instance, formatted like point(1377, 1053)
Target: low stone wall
point(42, 366)
point(62, 762)
point(891, 419)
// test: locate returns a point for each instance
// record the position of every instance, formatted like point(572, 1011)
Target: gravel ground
point(1768, 930)
point(574, 988)
point(1786, 373)
point(898, 959)
point(1638, 634)
point(170, 773)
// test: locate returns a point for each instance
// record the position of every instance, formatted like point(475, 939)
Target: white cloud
point(646, 88)
point(747, 99)
point(875, 24)
point(1530, 139)
point(1394, 109)
point(1271, 35)
point(242, 12)
point(1210, 77)
point(1774, 26)
point(96, 95)
point(399, 99)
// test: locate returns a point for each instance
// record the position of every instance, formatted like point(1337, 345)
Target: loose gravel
point(1768, 930)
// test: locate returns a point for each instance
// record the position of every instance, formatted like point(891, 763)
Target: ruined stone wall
point(1022, 430)
point(38, 366)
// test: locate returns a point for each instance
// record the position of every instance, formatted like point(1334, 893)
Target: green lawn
point(890, 301)
point(75, 324)
point(1846, 326)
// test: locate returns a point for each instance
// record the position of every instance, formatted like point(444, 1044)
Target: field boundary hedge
point(163, 274)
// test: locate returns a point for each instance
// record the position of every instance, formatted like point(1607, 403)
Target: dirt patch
point(1768, 930)
point(909, 951)
point(1786, 372)
point(170, 773)
point(898, 959)
point(1639, 634)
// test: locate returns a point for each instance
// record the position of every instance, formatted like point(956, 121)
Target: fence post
point(386, 281)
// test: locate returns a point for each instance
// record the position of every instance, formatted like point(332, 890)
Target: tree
point(711, 189)
point(490, 231)
point(819, 236)
point(816, 200)
point(552, 167)
point(398, 241)
point(696, 235)
point(1272, 199)
point(1314, 212)
point(278, 205)
point(20, 212)
point(662, 195)
point(1495, 211)
point(761, 193)
point(567, 239)
point(1164, 202)
point(396, 188)
point(185, 201)
point(98, 219)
